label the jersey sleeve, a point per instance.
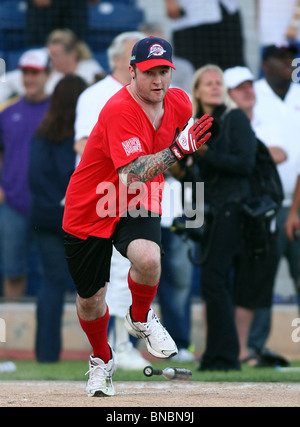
(126, 137)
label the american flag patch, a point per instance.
(131, 146)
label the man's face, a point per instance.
(152, 85)
(60, 59)
(34, 83)
(243, 95)
(279, 66)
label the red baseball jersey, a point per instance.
(96, 198)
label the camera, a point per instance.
(195, 234)
(260, 207)
(179, 227)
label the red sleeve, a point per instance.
(128, 140)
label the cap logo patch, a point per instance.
(156, 50)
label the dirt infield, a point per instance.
(152, 395)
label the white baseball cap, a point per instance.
(34, 59)
(237, 75)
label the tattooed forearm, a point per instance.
(145, 168)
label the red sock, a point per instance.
(96, 331)
(142, 297)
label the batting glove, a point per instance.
(189, 140)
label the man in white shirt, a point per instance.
(89, 105)
(277, 111)
(276, 121)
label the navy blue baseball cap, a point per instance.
(279, 49)
(151, 52)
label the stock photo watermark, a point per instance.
(2, 330)
(296, 71)
(2, 71)
(137, 200)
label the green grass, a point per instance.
(75, 370)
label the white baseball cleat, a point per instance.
(129, 358)
(100, 376)
(184, 355)
(158, 341)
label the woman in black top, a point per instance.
(224, 165)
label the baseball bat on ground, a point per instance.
(182, 374)
(291, 369)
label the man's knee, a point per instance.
(145, 257)
(150, 262)
(93, 303)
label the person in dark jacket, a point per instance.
(224, 165)
(52, 161)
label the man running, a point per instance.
(114, 198)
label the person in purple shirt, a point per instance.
(18, 123)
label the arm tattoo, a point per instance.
(147, 167)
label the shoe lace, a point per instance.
(98, 373)
(156, 328)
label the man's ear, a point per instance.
(132, 71)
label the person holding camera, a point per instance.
(224, 164)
